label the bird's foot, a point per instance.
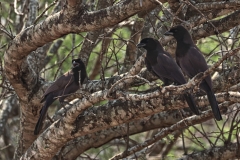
(49, 118)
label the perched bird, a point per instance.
(64, 85)
(164, 67)
(192, 62)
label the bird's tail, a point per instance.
(214, 104)
(39, 124)
(191, 103)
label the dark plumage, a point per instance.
(164, 67)
(64, 85)
(192, 62)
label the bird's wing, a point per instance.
(194, 63)
(150, 69)
(60, 83)
(166, 67)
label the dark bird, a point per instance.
(61, 88)
(164, 67)
(192, 62)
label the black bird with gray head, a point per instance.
(164, 67)
(192, 62)
(61, 88)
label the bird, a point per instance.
(66, 84)
(161, 64)
(192, 62)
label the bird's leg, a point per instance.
(49, 118)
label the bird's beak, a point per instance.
(168, 33)
(140, 45)
(75, 64)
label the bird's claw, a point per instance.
(49, 118)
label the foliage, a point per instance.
(112, 54)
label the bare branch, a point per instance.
(228, 151)
(178, 126)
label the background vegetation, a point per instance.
(168, 130)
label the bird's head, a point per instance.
(148, 44)
(79, 67)
(77, 63)
(177, 32)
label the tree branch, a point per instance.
(83, 143)
(228, 151)
(66, 21)
(178, 126)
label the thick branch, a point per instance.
(91, 37)
(62, 23)
(223, 25)
(178, 126)
(216, 5)
(92, 140)
(228, 151)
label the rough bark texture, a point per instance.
(126, 99)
